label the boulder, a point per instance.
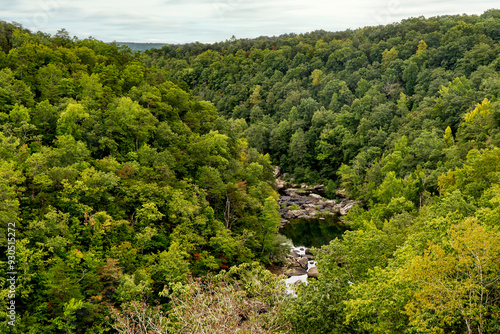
(299, 213)
(293, 214)
(318, 187)
(276, 171)
(280, 184)
(291, 191)
(328, 203)
(346, 206)
(315, 196)
(311, 213)
(313, 272)
(295, 272)
(303, 261)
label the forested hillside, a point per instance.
(119, 182)
(320, 100)
(404, 117)
(131, 176)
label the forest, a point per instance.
(137, 189)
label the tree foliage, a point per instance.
(132, 176)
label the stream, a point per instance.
(309, 220)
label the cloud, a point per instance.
(177, 21)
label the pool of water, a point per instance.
(313, 232)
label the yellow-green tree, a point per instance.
(457, 282)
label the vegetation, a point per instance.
(119, 181)
(141, 184)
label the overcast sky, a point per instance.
(183, 21)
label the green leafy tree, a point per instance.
(72, 121)
(270, 220)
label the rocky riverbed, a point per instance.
(301, 266)
(299, 202)
(303, 201)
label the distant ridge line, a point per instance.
(136, 46)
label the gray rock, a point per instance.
(318, 187)
(328, 203)
(311, 205)
(294, 214)
(298, 213)
(276, 172)
(346, 206)
(291, 191)
(280, 184)
(315, 196)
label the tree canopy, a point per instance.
(141, 185)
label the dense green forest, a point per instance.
(119, 182)
(140, 186)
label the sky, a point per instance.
(207, 21)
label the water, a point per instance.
(313, 232)
(310, 233)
